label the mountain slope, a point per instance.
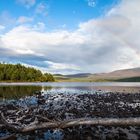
(118, 75)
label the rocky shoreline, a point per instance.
(63, 107)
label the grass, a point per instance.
(95, 79)
(80, 79)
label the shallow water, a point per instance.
(75, 84)
(18, 90)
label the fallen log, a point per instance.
(77, 122)
(69, 123)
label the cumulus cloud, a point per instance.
(98, 45)
(27, 3)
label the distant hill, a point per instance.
(130, 75)
(79, 75)
(123, 73)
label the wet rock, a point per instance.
(67, 106)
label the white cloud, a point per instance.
(98, 45)
(25, 51)
(23, 19)
(62, 67)
(27, 3)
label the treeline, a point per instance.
(18, 72)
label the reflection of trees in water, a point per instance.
(15, 92)
(46, 88)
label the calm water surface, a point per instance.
(18, 90)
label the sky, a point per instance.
(71, 36)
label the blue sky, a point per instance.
(57, 13)
(70, 36)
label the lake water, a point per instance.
(10, 91)
(18, 90)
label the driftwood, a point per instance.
(71, 123)
(77, 122)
